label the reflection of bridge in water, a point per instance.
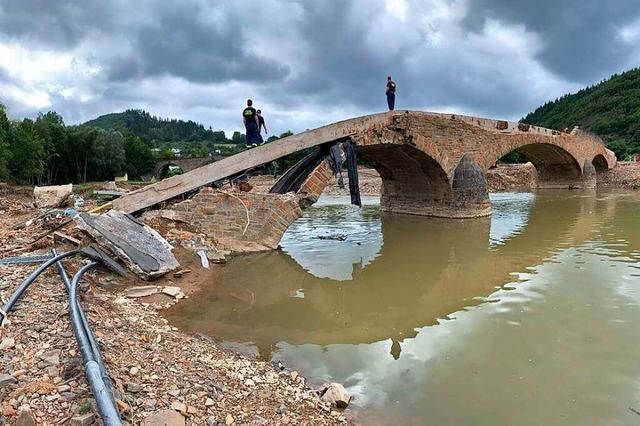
(425, 270)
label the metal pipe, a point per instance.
(97, 354)
(103, 395)
(27, 282)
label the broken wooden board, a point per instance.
(142, 249)
(108, 194)
(176, 185)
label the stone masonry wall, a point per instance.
(243, 222)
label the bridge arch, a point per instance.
(556, 167)
(413, 182)
(600, 163)
(164, 168)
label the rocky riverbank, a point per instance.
(161, 375)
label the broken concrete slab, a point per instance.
(135, 292)
(51, 196)
(172, 291)
(141, 248)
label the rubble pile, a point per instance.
(161, 376)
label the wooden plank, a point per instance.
(176, 185)
(57, 236)
(109, 193)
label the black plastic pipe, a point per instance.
(104, 398)
(27, 282)
(97, 354)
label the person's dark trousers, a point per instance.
(260, 139)
(252, 133)
(391, 100)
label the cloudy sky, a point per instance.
(306, 62)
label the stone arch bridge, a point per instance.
(431, 164)
(186, 164)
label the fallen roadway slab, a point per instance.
(168, 188)
(142, 249)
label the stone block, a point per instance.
(51, 196)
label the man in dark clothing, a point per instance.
(250, 119)
(391, 93)
(261, 124)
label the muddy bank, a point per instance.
(158, 371)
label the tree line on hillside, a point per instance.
(45, 151)
(609, 109)
(166, 132)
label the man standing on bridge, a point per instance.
(251, 122)
(261, 124)
(391, 93)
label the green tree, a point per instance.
(27, 152)
(81, 143)
(108, 154)
(238, 138)
(5, 153)
(138, 156)
(50, 127)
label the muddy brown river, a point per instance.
(529, 317)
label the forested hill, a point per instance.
(160, 130)
(610, 109)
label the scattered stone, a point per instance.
(335, 394)
(51, 358)
(179, 406)
(164, 418)
(134, 387)
(7, 343)
(181, 272)
(149, 404)
(216, 257)
(6, 379)
(172, 291)
(143, 291)
(133, 371)
(26, 418)
(174, 392)
(294, 375)
(229, 420)
(212, 422)
(83, 420)
(209, 402)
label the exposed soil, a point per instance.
(157, 370)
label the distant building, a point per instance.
(121, 177)
(176, 152)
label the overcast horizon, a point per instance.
(306, 64)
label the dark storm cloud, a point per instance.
(308, 61)
(341, 69)
(57, 23)
(178, 43)
(579, 36)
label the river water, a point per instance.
(529, 317)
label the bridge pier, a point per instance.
(413, 183)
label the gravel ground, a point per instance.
(158, 371)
